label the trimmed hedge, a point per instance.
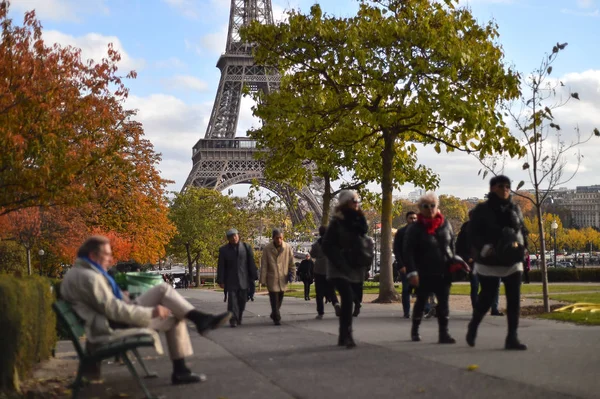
(567, 275)
(28, 333)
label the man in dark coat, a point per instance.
(463, 249)
(306, 270)
(236, 271)
(411, 217)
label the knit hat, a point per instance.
(347, 196)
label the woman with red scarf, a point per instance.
(428, 253)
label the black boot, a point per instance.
(473, 325)
(444, 336)
(414, 331)
(350, 340)
(343, 336)
(513, 343)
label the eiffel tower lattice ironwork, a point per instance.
(220, 160)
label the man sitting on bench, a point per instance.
(97, 299)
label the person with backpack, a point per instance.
(306, 271)
(235, 271)
(350, 252)
(428, 253)
(324, 289)
(463, 249)
(499, 241)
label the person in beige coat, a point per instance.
(108, 312)
(276, 264)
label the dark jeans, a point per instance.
(324, 289)
(357, 291)
(236, 303)
(347, 297)
(475, 293)
(440, 287)
(307, 284)
(275, 298)
(405, 295)
(526, 276)
(512, 286)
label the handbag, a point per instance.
(361, 252)
(508, 249)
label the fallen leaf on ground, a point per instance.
(472, 367)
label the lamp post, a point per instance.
(41, 253)
(554, 227)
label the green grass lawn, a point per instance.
(465, 289)
(297, 289)
(586, 318)
(574, 298)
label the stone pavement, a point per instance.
(300, 359)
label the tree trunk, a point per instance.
(28, 261)
(387, 292)
(197, 279)
(326, 200)
(189, 259)
(544, 267)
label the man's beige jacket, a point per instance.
(93, 300)
(275, 265)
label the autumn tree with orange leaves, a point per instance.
(69, 144)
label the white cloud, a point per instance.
(94, 46)
(186, 7)
(173, 127)
(215, 42)
(170, 63)
(595, 13)
(586, 3)
(61, 10)
(185, 82)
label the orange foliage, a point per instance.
(74, 147)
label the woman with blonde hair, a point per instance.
(428, 253)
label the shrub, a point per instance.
(28, 333)
(559, 275)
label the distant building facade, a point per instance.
(584, 204)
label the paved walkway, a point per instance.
(299, 359)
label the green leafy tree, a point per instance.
(398, 74)
(454, 210)
(202, 216)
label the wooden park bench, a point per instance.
(116, 348)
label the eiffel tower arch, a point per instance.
(220, 160)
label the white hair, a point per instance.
(428, 198)
(346, 196)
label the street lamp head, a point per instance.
(554, 225)
(41, 252)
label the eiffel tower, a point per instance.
(222, 160)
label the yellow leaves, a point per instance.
(580, 307)
(472, 367)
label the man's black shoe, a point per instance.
(277, 322)
(187, 378)
(497, 313)
(210, 322)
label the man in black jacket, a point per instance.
(498, 239)
(236, 271)
(411, 217)
(463, 249)
(305, 271)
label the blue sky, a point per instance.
(174, 46)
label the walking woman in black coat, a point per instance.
(347, 224)
(428, 252)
